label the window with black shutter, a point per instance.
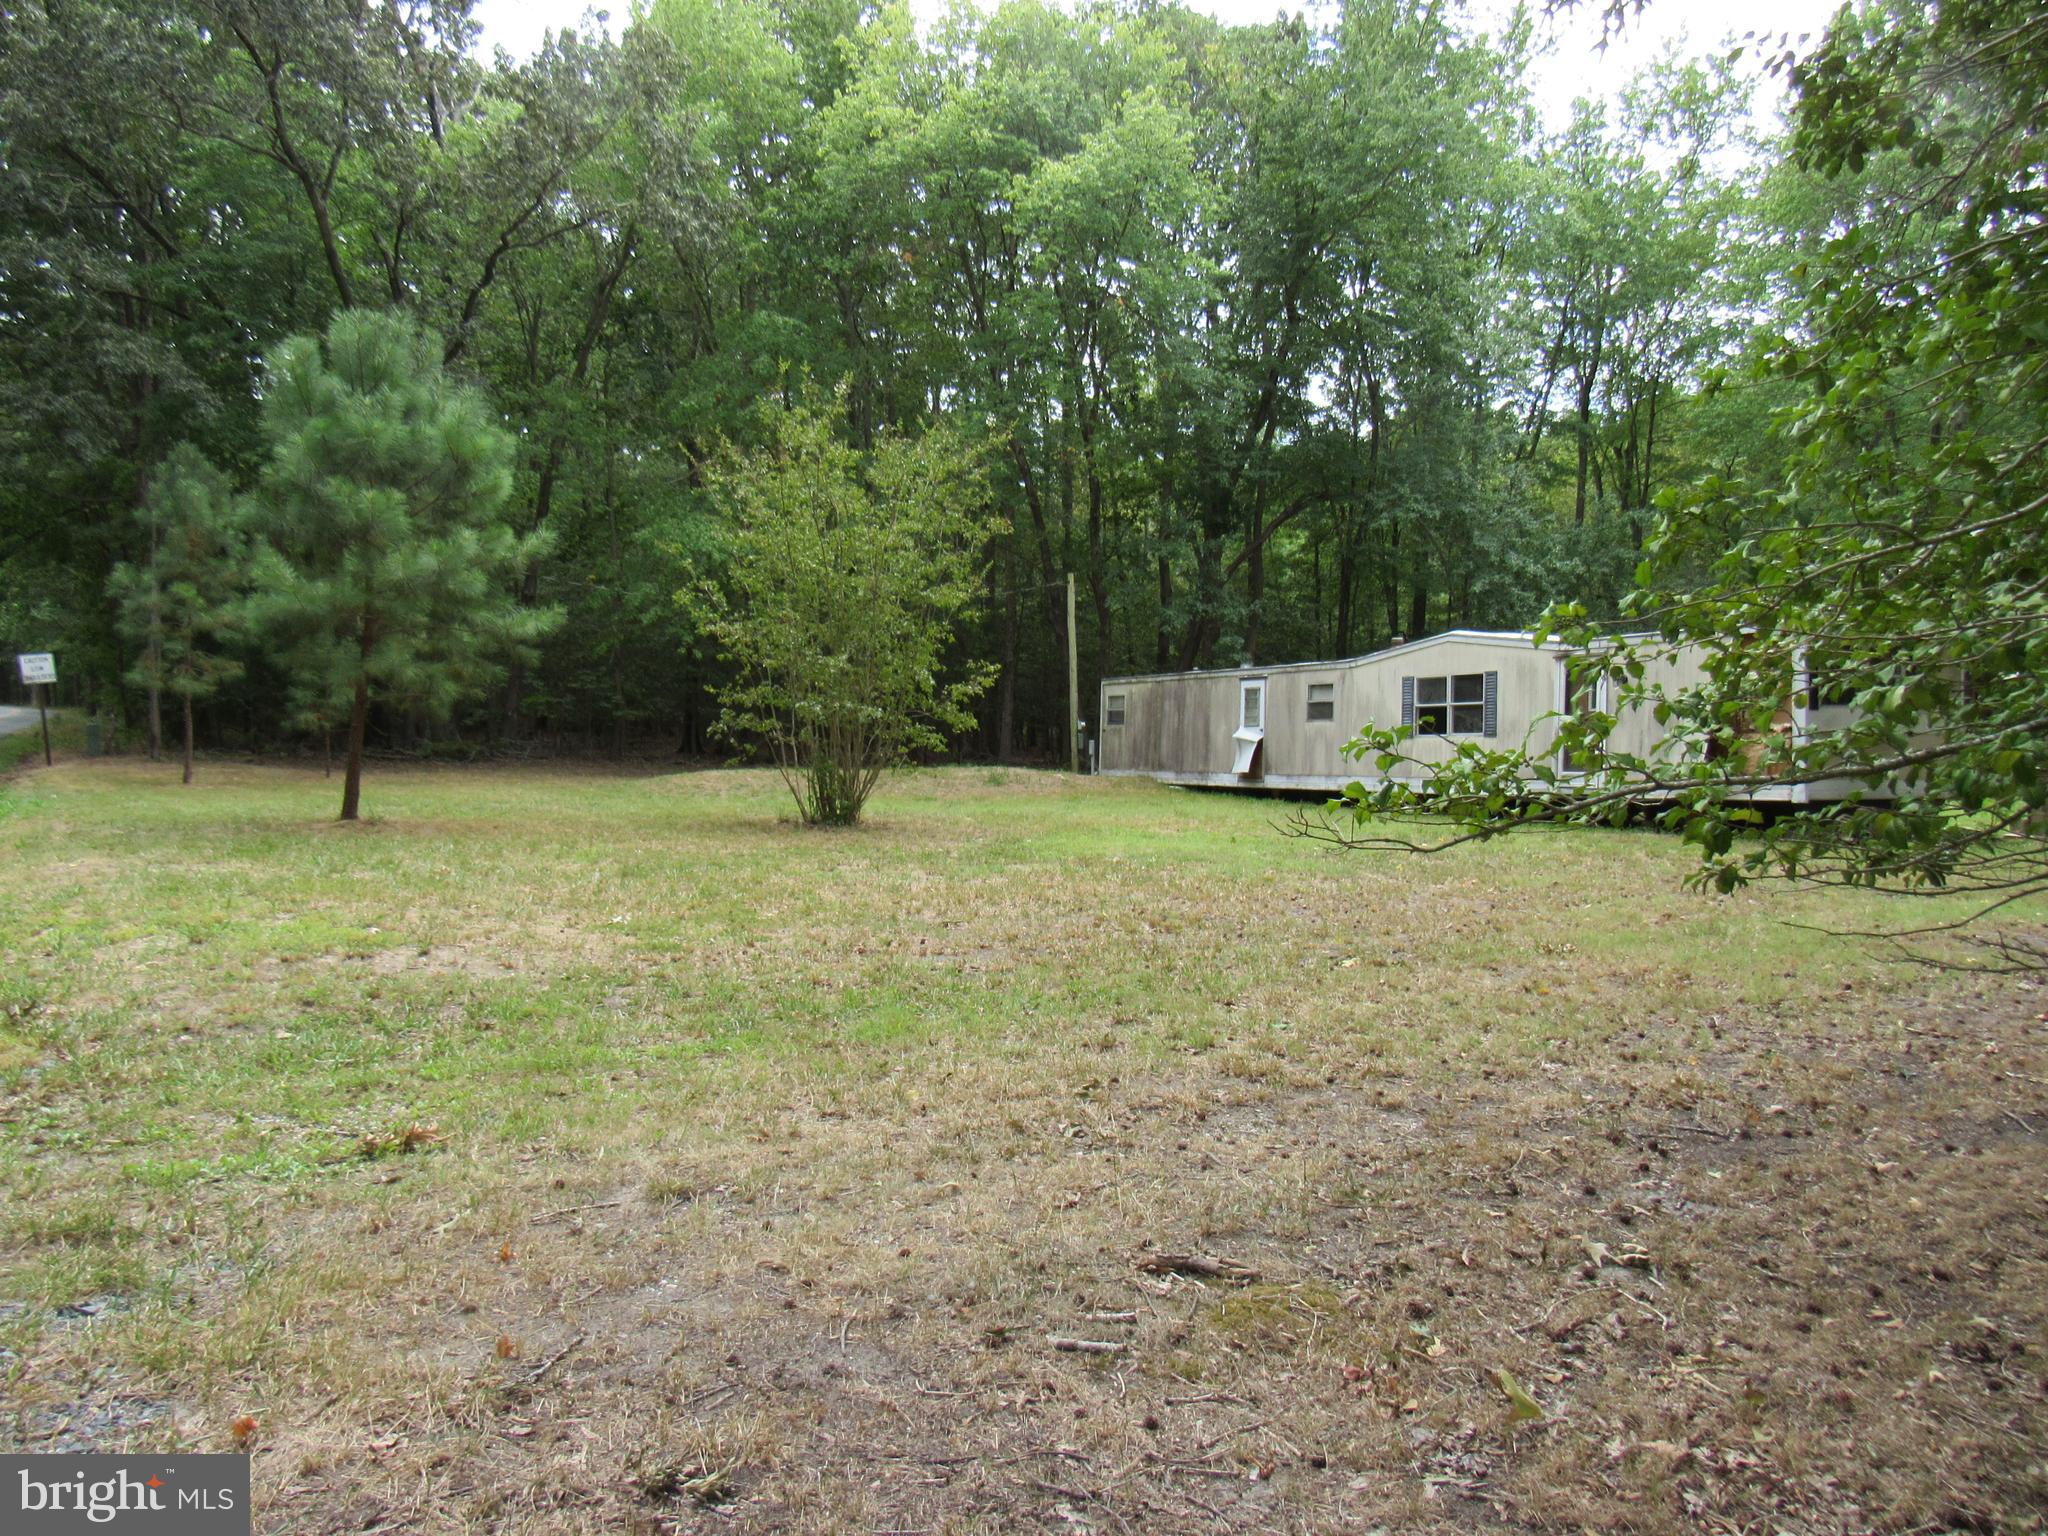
(1459, 705)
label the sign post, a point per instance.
(39, 670)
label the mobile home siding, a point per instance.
(1179, 726)
(1171, 725)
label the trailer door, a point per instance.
(1251, 727)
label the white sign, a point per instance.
(37, 667)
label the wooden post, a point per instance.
(43, 708)
(1073, 687)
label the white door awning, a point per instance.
(1247, 741)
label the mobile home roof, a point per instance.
(1521, 637)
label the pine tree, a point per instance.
(182, 602)
(389, 564)
(320, 695)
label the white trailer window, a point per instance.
(1829, 683)
(1322, 701)
(1113, 709)
(1254, 716)
(1451, 706)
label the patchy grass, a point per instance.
(585, 1152)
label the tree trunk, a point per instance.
(529, 590)
(1164, 655)
(1347, 582)
(551, 466)
(140, 316)
(1006, 684)
(188, 738)
(515, 692)
(1585, 421)
(1315, 604)
(1589, 374)
(1098, 578)
(1644, 491)
(619, 620)
(1391, 592)
(1206, 620)
(1255, 577)
(358, 723)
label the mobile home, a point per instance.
(1285, 727)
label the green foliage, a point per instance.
(846, 577)
(1893, 575)
(387, 566)
(181, 605)
(1522, 1408)
(1293, 335)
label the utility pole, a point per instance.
(43, 708)
(1073, 687)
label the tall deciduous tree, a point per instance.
(848, 574)
(389, 557)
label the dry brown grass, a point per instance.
(765, 1164)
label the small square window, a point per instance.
(1322, 701)
(1113, 709)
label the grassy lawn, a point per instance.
(589, 1152)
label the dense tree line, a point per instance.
(1892, 555)
(1286, 339)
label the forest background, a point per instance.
(1287, 339)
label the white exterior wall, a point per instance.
(1178, 727)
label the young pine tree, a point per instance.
(321, 695)
(182, 602)
(389, 556)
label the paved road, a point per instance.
(14, 718)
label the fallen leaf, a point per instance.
(243, 1429)
(1521, 1405)
(1673, 1451)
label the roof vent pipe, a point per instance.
(1397, 642)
